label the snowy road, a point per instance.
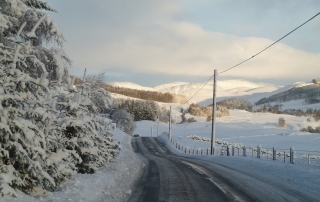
(171, 178)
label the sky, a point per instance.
(150, 42)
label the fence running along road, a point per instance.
(170, 177)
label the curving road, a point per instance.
(168, 177)
(171, 178)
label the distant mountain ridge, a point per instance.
(227, 88)
(256, 93)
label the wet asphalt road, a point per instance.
(169, 178)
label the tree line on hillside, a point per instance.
(310, 93)
(236, 103)
(143, 110)
(295, 112)
(146, 95)
(206, 111)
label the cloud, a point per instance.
(143, 37)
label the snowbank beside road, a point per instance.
(113, 182)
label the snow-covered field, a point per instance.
(248, 129)
(113, 182)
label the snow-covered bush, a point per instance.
(310, 129)
(316, 116)
(46, 130)
(316, 81)
(101, 98)
(282, 122)
(124, 120)
(192, 119)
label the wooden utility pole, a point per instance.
(157, 125)
(170, 125)
(213, 138)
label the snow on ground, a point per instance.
(113, 182)
(302, 176)
(248, 129)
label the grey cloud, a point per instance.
(145, 37)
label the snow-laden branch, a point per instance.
(20, 30)
(32, 33)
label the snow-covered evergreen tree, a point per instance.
(124, 120)
(101, 98)
(81, 131)
(46, 130)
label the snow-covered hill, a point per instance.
(227, 89)
(168, 85)
(131, 86)
(292, 96)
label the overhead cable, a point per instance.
(270, 45)
(253, 55)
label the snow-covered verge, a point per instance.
(304, 177)
(113, 182)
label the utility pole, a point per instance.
(157, 125)
(170, 125)
(151, 131)
(213, 138)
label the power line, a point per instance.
(252, 56)
(270, 44)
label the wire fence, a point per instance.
(289, 155)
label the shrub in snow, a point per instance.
(316, 81)
(316, 116)
(205, 111)
(192, 119)
(282, 122)
(209, 119)
(183, 118)
(310, 129)
(196, 137)
(46, 130)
